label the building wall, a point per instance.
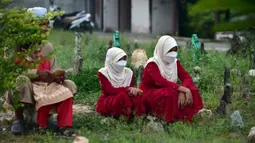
(71, 5)
(99, 14)
(163, 18)
(90, 7)
(140, 16)
(111, 15)
(30, 3)
(125, 15)
(66, 5)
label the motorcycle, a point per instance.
(77, 21)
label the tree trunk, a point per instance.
(245, 88)
(202, 48)
(226, 76)
(227, 15)
(217, 17)
(77, 59)
(222, 108)
(228, 91)
(129, 52)
(235, 44)
(252, 58)
(110, 44)
(136, 45)
(140, 74)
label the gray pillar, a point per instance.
(140, 16)
(111, 15)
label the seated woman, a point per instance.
(118, 97)
(162, 96)
(33, 93)
(48, 90)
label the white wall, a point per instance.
(71, 5)
(111, 15)
(125, 15)
(140, 22)
(66, 5)
(30, 3)
(162, 16)
(99, 13)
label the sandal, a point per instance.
(52, 125)
(42, 131)
(67, 132)
(18, 127)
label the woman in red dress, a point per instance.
(118, 97)
(162, 96)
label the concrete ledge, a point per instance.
(217, 45)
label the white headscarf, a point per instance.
(167, 70)
(117, 77)
(38, 11)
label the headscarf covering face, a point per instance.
(115, 70)
(165, 60)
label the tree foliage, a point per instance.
(17, 27)
(237, 8)
(200, 24)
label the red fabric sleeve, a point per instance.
(17, 62)
(107, 87)
(44, 65)
(184, 76)
(132, 84)
(158, 78)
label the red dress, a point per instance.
(160, 96)
(44, 65)
(116, 102)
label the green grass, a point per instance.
(107, 130)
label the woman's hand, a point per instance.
(132, 91)
(189, 98)
(45, 76)
(59, 79)
(181, 100)
(188, 95)
(59, 76)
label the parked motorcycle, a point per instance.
(77, 21)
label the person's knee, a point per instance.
(71, 86)
(123, 95)
(24, 90)
(123, 99)
(169, 92)
(22, 80)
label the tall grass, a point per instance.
(108, 130)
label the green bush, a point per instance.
(17, 27)
(87, 81)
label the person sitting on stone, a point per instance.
(162, 96)
(44, 92)
(119, 97)
(48, 90)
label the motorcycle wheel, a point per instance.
(87, 27)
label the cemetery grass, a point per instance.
(108, 130)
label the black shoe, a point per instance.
(18, 127)
(52, 125)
